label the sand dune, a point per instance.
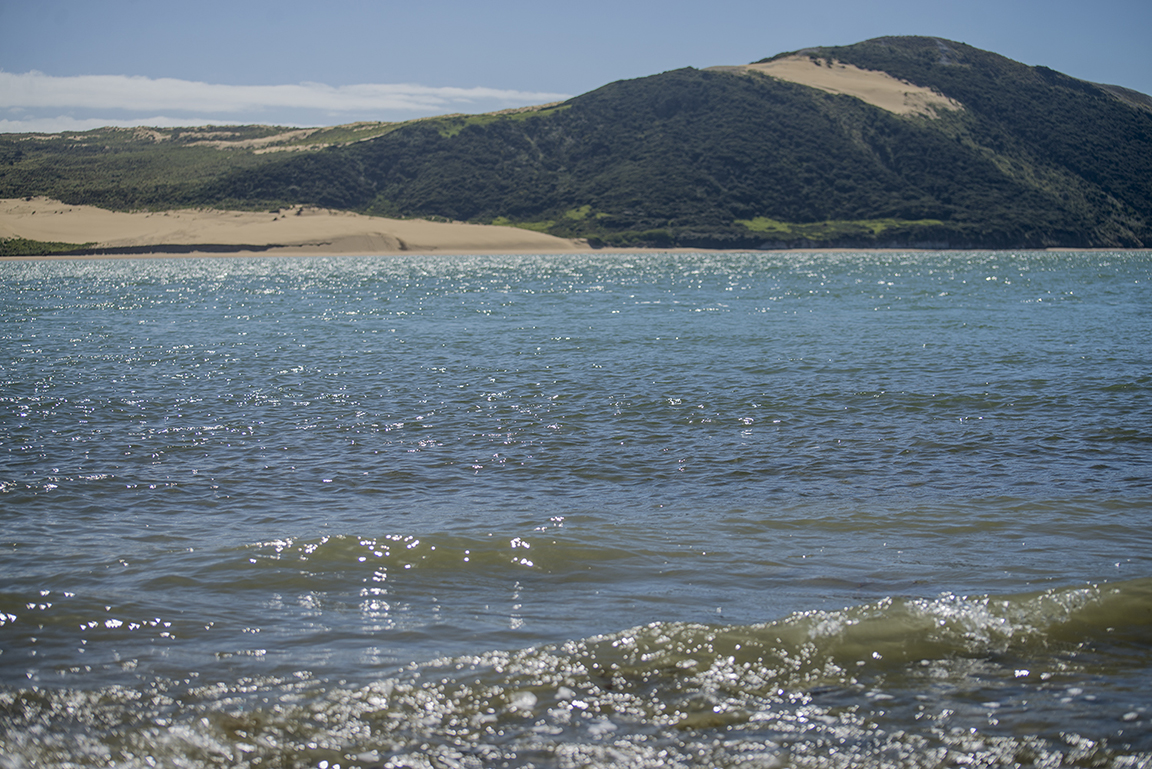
(297, 230)
(877, 88)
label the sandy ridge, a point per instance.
(876, 88)
(298, 230)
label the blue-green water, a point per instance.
(746, 510)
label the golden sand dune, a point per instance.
(877, 88)
(297, 230)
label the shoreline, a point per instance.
(288, 252)
(306, 231)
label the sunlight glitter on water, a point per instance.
(674, 509)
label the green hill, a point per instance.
(702, 158)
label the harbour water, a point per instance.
(738, 510)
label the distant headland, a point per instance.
(896, 142)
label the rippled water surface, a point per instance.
(749, 510)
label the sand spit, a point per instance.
(877, 88)
(298, 230)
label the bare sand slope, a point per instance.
(296, 230)
(877, 88)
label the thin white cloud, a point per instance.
(37, 91)
(61, 123)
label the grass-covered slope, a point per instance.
(685, 156)
(688, 157)
(1085, 144)
(154, 168)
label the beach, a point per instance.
(299, 230)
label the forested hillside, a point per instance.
(702, 158)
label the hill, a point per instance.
(907, 141)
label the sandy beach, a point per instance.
(297, 230)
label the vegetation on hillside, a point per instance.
(1088, 144)
(683, 158)
(25, 247)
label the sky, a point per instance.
(81, 64)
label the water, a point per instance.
(741, 510)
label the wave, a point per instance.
(830, 647)
(894, 631)
(980, 680)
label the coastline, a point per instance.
(296, 231)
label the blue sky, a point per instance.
(66, 64)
